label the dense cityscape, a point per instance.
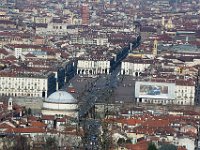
(99, 74)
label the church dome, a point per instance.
(61, 97)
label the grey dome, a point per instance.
(61, 97)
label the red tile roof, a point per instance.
(5, 126)
(25, 130)
(48, 117)
(142, 145)
(38, 124)
(31, 118)
(130, 121)
(3, 51)
(30, 55)
(156, 123)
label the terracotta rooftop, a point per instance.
(156, 123)
(38, 124)
(142, 145)
(25, 130)
(48, 117)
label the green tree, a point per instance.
(152, 146)
(105, 136)
(168, 147)
(21, 143)
(121, 141)
(51, 143)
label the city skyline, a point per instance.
(99, 74)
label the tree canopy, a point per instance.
(51, 143)
(21, 143)
(152, 146)
(168, 147)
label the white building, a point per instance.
(41, 19)
(60, 104)
(185, 92)
(179, 92)
(27, 85)
(20, 50)
(53, 28)
(134, 66)
(188, 142)
(89, 39)
(93, 66)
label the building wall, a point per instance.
(93, 67)
(189, 143)
(134, 136)
(10, 39)
(50, 123)
(197, 92)
(41, 19)
(27, 86)
(60, 106)
(92, 41)
(51, 87)
(53, 29)
(182, 95)
(185, 95)
(33, 135)
(60, 78)
(8, 26)
(85, 14)
(189, 129)
(70, 69)
(20, 52)
(59, 113)
(133, 69)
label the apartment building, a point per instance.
(27, 85)
(94, 66)
(166, 91)
(135, 66)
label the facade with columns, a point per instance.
(135, 66)
(93, 66)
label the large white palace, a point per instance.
(31, 85)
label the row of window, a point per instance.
(168, 102)
(90, 64)
(186, 90)
(57, 27)
(59, 115)
(21, 94)
(23, 83)
(51, 33)
(27, 80)
(19, 90)
(93, 71)
(182, 95)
